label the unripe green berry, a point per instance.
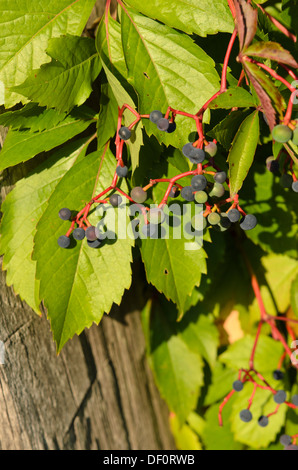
(213, 218)
(282, 133)
(201, 197)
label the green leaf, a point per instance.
(233, 97)
(22, 209)
(67, 80)
(221, 385)
(243, 151)
(294, 296)
(217, 437)
(172, 269)
(191, 17)
(79, 284)
(279, 272)
(225, 131)
(32, 117)
(201, 335)
(177, 370)
(20, 146)
(166, 68)
(267, 354)
(196, 422)
(25, 32)
(185, 437)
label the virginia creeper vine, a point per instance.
(231, 203)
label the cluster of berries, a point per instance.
(93, 235)
(202, 191)
(279, 397)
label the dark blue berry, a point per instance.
(280, 397)
(198, 183)
(246, 416)
(78, 233)
(187, 193)
(163, 124)
(220, 177)
(115, 200)
(63, 241)
(285, 440)
(278, 374)
(294, 400)
(187, 149)
(238, 386)
(272, 165)
(94, 244)
(155, 116)
(249, 222)
(122, 171)
(234, 215)
(124, 133)
(194, 154)
(263, 421)
(65, 214)
(91, 233)
(171, 128)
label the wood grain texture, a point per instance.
(97, 394)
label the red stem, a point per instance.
(225, 401)
(252, 395)
(271, 72)
(223, 86)
(289, 112)
(252, 356)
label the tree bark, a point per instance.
(99, 393)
